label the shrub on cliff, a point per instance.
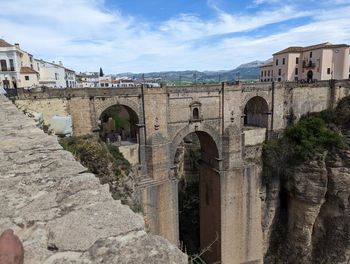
(308, 136)
(106, 162)
(299, 142)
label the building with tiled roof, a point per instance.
(16, 67)
(55, 75)
(4, 44)
(322, 61)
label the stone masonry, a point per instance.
(61, 212)
(224, 117)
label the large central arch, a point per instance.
(209, 192)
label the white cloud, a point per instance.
(86, 36)
(259, 2)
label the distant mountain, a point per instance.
(247, 71)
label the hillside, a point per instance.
(247, 71)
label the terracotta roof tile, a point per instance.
(28, 70)
(3, 43)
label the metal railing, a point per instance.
(309, 64)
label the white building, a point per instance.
(123, 82)
(105, 81)
(87, 80)
(70, 78)
(16, 67)
(55, 75)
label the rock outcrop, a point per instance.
(59, 210)
(312, 223)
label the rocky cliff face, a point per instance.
(312, 220)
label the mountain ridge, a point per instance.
(246, 71)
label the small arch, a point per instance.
(118, 123)
(256, 112)
(102, 104)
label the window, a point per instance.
(262, 73)
(26, 78)
(56, 75)
(279, 79)
(3, 65)
(328, 70)
(265, 73)
(195, 113)
(310, 54)
(276, 62)
(296, 71)
(279, 72)
(283, 61)
(268, 73)
(12, 65)
(296, 79)
(296, 60)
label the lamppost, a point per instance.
(237, 76)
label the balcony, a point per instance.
(7, 69)
(309, 65)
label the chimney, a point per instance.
(17, 45)
(60, 62)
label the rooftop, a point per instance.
(3, 43)
(297, 49)
(28, 70)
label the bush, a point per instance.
(310, 135)
(299, 142)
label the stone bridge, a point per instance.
(231, 122)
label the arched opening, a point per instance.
(256, 112)
(196, 162)
(195, 113)
(310, 76)
(119, 124)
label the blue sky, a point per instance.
(158, 35)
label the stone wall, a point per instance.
(48, 107)
(61, 212)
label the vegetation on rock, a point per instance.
(106, 162)
(312, 134)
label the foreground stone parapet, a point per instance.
(61, 212)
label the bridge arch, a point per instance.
(200, 226)
(118, 122)
(191, 128)
(256, 111)
(102, 104)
